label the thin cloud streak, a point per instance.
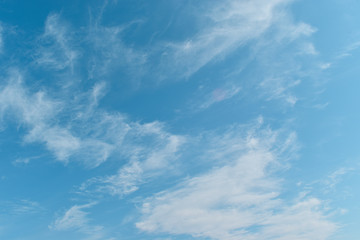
(76, 219)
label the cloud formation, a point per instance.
(228, 179)
(148, 159)
(240, 199)
(76, 219)
(56, 50)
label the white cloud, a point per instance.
(37, 112)
(56, 49)
(218, 95)
(148, 159)
(58, 140)
(321, 106)
(240, 199)
(233, 24)
(110, 53)
(226, 27)
(92, 135)
(348, 50)
(325, 66)
(30, 108)
(336, 177)
(24, 160)
(267, 33)
(309, 48)
(125, 181)
(279, 88)
(21, 207)
(287, 30)
(76, 219)
(21, 161)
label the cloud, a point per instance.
(325, 66)
(24, 160)
(111, 53)
(261, 35)
(336, 177)
(31, 108)
(21, 207)
(91, 135)
(219, 95)
(148, 159)
(233, 25)
(56, 49)
(241, 198)
(124, 182)
(348, 50)
(309, 48)
(278, 88)
(226, 27)
(37, 112)
(21, 161)
(76, 219)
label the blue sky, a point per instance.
(183, 120)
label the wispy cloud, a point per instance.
(218, 95)
(348, 50)
(231, 25)
(149, 159)
(241, 199)
(36, 111)
(56, 47)
(325, 66)
(91, 135)
(278, 88)
(262, 30)
(21, 161)
(21, 207)
(76, 219)
(233, 189)
(31, 108)
(280, 56)
(309, 48)
(24, 160)
(111, 53)
(335, 178)
(226, 27)
(124, 182)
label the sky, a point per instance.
(179, 120)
